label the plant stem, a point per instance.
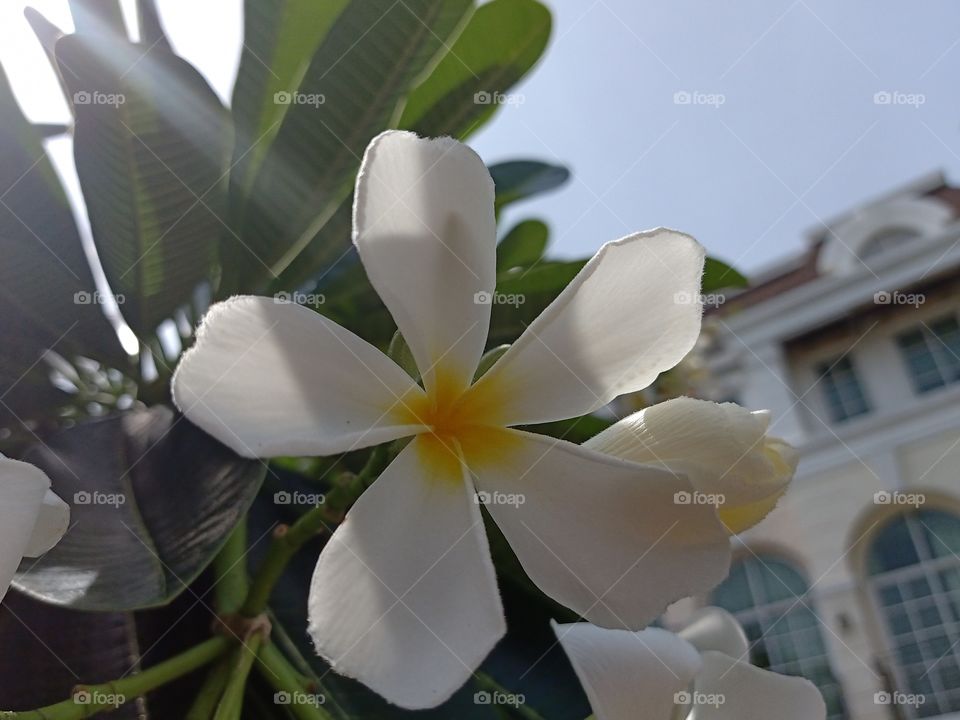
(130, 687)
(232, 701)
(277, 671)
(210, 692)
(284, 544)
(231, 583)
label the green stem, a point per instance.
(205, 703)
(291, 687)
(231, 583)
(128, 688)
(232, 701)
(283, 546)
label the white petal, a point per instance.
(713, 628)
(52, 522)
(749, 693)
(271, 378)
(22, 489)
(423, 223)
(628, 675)
(721, 447)
(404, 596)
(600, 535)
(631, 313)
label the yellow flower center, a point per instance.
(462, 424)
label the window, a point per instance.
(932, 354)
(914, 571)
(842, 391)
(767, 598)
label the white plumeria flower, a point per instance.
(404, 596)
(699, 674)
(32, 517)
(722, 448)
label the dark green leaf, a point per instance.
(151, 30)
(523, 245)
(350, 92)
(521, 179)
(279, 39)
(532, 290)
(151, 145)
(153, 500)
(717, 275)
(46, 287)
(500, 44)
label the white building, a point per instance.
(854, 580)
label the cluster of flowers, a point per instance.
(404, 596)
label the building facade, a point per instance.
(854, 580)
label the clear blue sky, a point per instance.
(798, 136)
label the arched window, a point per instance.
(914, 566)
(767, 596)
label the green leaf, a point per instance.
(533, 289)
(350, 92)
(279, 39)
(501, 43)
(520, 179)
(717, 275)
(153, 500)
(151, 29)
(151, 145)
(98, 17)
(523, 245)
(46, 286)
